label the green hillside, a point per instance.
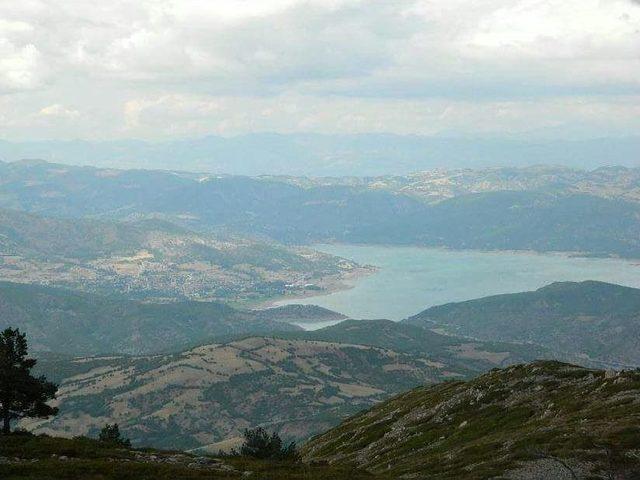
(300, 382)
(211, 393)
(76, 323)
(595, 320)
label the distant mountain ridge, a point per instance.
(307, 154)
(599, 217)
(597, 320)
(436, 185)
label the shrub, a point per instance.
(259, 443)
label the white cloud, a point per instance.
(20, 67)
(57, 110)
(178, 115)
(186, 67)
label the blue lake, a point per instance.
(410, 279)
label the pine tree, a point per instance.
(111, 434)
(21, 394)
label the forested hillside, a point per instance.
(595, 320)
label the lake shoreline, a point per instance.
(330, 285)
(558, 253)
(408, 279)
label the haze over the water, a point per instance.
(492, 82)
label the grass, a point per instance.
(484, 427)
(42, 458)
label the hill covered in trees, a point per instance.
(596, 321)
(75, 323)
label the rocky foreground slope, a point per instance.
(545, 420)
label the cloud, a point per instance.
(222, 64)
(179, 115)
(57, 110)
(20, 67)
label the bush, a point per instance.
(259, 444)
(111, 434)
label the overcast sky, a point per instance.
(158, 69)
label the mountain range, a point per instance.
(117, 277)
(328, 155)
(596, 219)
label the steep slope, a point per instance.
(156, 259)
(524, 422)
(84, 324)
(596, 320)
(210, 393)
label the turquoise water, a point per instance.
(411, 279)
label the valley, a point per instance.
(262, 370)
(320, 240)
(187, 308)
(298, 383)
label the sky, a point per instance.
(162, 69)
